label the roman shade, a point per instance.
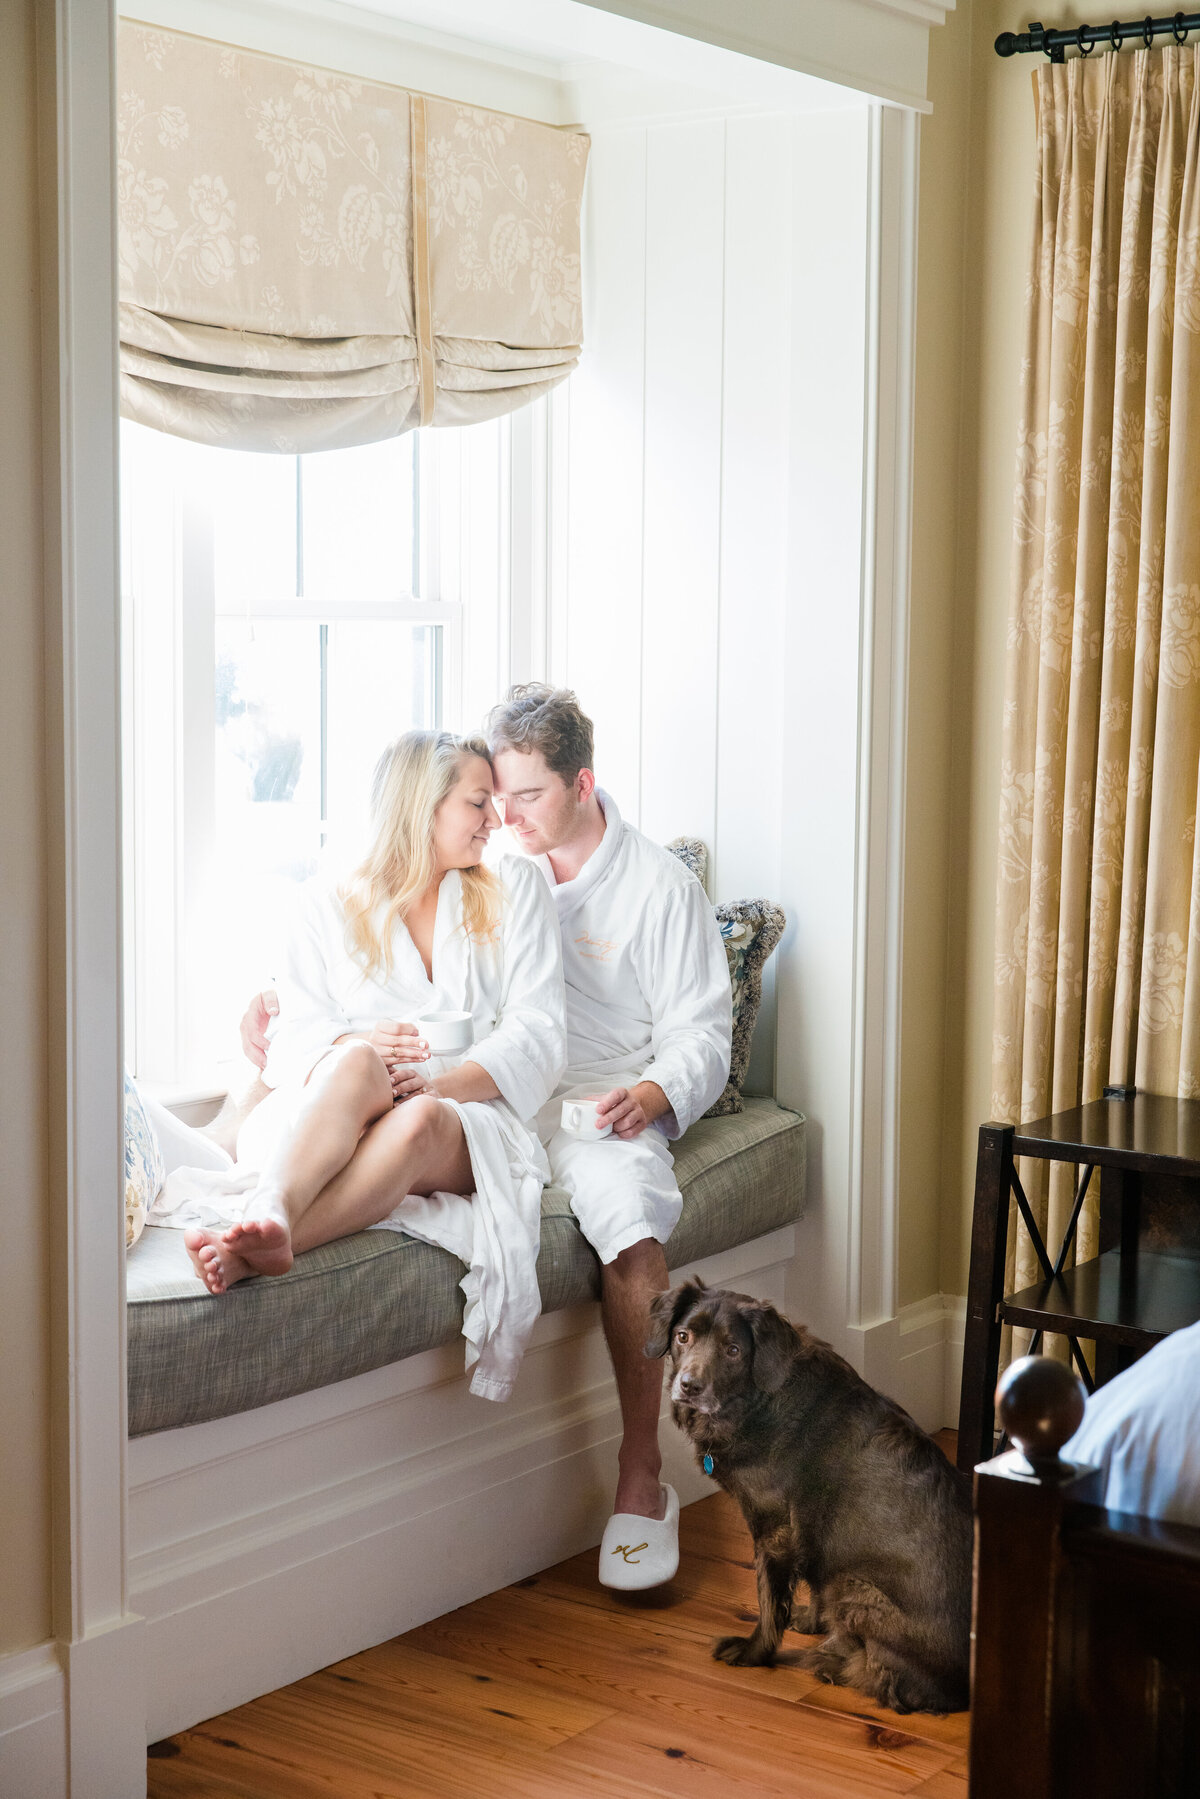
(310, 261)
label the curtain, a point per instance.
(1097, 972)
(309, 261)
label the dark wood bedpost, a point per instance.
(981, 1333)
(1020, 1571)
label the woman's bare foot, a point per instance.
(265, 1242)
(216, 1264)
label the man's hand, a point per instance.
(630, 1109)
(253, 1028)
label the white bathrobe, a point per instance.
(648, 999)
(514, 993)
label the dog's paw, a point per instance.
(827, 1666)
(742, 1652)
(806, 1621)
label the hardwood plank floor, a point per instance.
(556, 1688)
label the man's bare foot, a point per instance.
(265, 1243)
(642, 1494)
(217, 1265)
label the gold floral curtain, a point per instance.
(309, 261)
(1098, 921)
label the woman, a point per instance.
(364, 1128)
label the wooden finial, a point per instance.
(1040, 1404)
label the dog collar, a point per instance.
(708, 1464)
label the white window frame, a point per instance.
(169, 654)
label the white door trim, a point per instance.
(872, 1250)
(97, 1637)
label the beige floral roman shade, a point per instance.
(310, 261)
(1098, 917)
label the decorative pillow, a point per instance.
(144, 1170)
(750, 929)
(693, 853)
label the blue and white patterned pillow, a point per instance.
(144, 1170)
(750, 930)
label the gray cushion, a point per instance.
(378, 1296)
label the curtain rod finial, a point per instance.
(1006, 44)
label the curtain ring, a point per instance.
(1114, 33)
(1148, 32)
(1179, 30)
(1085, 43)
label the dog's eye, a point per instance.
(681, 1336)
(733, 1349)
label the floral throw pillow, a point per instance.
(750, 930)
(693, 853)
(144, 1170)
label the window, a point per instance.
(284, 618)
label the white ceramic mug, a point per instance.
(579, 1118)
(446, 1033)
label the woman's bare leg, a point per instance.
(417, 1148)
(347, 1091)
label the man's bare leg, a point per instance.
(235, 1109)
(628, 1284)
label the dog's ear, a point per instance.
(665, 1308)
(775, 1345)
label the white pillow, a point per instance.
(1143, 1430)
(144, 1171)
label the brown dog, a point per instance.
(839, 1488)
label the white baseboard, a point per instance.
(268, 1545)
(916, 1358)
(33, 1725)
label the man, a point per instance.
(649, 1027)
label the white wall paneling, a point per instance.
(602, 640)
(737, 587)
(681, 531)
(752, 728)
(821, 651)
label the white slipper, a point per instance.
(640, 1552)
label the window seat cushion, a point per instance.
(379, 1296)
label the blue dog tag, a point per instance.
(707, 1464)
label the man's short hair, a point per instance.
(549, 719)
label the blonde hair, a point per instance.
(412, 778)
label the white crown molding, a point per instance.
(799, 54)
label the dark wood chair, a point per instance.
(1144, 1283)
(1085, 1675)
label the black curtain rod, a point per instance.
(1086, 38)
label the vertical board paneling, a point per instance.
(751, 720)
(822, 649)
(685, 220)
(601, 655)
(485, 624)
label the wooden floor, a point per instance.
(556, 1688)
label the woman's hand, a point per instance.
(407, 1082)
(397, 1042)
(399, 1046)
